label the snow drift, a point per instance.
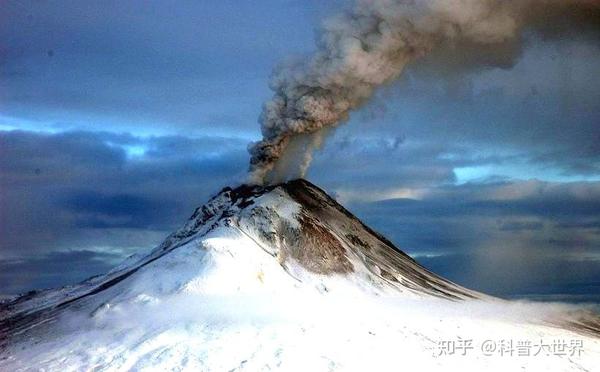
(278, 278)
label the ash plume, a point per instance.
(371, 44)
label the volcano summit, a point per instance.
(282, 277)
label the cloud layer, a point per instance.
(101, 192)
(87, 200)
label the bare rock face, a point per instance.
(317, 233)
(329, 240)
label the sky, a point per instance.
(117, 119)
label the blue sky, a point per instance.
(117, 119)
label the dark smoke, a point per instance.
(370, 45)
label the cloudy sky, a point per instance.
(118, 118)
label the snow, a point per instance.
(220, 299)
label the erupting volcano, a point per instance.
(275, 274)
(276, 277)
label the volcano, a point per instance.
(283, 277)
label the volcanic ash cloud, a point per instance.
(369, 46)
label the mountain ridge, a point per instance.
(278, 266)
(218, 209)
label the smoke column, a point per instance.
(369, 46)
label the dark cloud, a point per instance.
(507, 238)
(53, 269)
(510, 239)
(521, 225)
(94, 210)
(542, 215)
(478, 200)
(362, 162)
(541, 114)
(103, 192)
(137, 64)
(548, 278)
(116, 194)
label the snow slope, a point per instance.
(284, 278)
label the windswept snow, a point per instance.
(229, 291)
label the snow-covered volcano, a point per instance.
(284, 278)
